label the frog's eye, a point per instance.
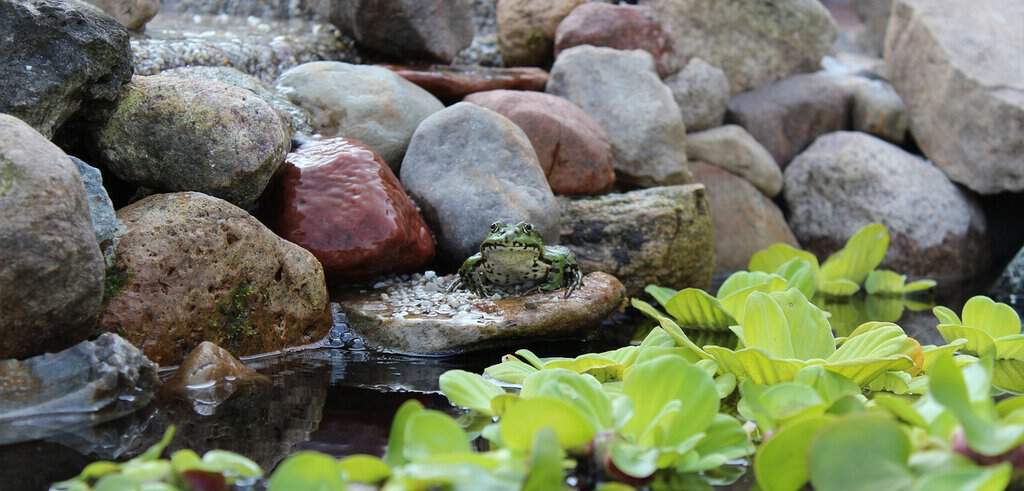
(495, 226)
(527, 227)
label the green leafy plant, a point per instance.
(989, 328)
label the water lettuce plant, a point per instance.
(989, 328)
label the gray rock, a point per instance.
(173, 134)
(133, 14)
(296, 117)
(87, 384)
(459, 321)
(702, 93)
(788, 115)
(1012, 279)
(468, 167)
(754, 42)
(51, 270)
(623, 93)
(733, 149)
(847, 180)
(105, 224)
(58, 56)
(877, 109)
(368, 103)
(958, 67)
(875, 15)
(745, 220)
(659, 236)
(408, 29)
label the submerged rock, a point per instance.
(659, 235)
(208, 376)
(58, 55)
(337, 199)
(194, 268)
(87, 384)
(51, 270)
(425, 319)
(451, 83)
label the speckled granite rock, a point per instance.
(383, 320)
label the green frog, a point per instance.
(513, 259)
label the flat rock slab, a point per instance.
(419, 317)
(451, 83)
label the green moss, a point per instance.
(9, 172)
(235, 311)
(114, 280)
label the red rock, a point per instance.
(572, 148)
(339, 200)
(620, 27)
(452, 83)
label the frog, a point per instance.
(514, 259)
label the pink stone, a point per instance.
(617, 26)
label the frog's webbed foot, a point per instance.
(454, 285)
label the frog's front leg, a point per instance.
(469, 276)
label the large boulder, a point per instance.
(745, 220)
(958, 67)
(755, 42)
(194, 268)
(51, 270)
(173, 134)
(337, 199)
(623, 93)
(526, 29)
(367, 103)
(731, 148)
(468, 167)
(407, 29)
(846, 180)
(133, 14)
(58, 55)
(702, 93)
(572, 149)
(623, 27)
(659, 236)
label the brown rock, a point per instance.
(194, 268)
(526, 29)
(451, 83)
(745, 220)
(620, 27)
(572, 148)
(339, 200)
(212, 370)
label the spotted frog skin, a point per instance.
(513, 259)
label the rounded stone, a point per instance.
(468, 167)
(731, 148)
(173, 134)
(702, 93)
(133, 14)
(407, 29)
(340, 201)
(51, 269)
(193, 268)
(572, 149)
(623, 27)
(526, 29)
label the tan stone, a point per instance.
(526, 29)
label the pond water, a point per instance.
(340, 400)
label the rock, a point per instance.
(294, 116)
(847, 180)
(408, 29)
(526, 29)
(745, 220)
(468, 167)
(875, 15)
(660, 236)
(788, 115)
(86, 384)
(452, 83)
(340, 201)
(1012, 279)
(623, 27)
(755, 43)
(733, 149)
(966, 110)
(476, 323)
(194, 268)
(877, 109)
(622, 92)
(51, 270)
(702, 93)
(210, 374)
(88, 62)
(484, 48)
(572, 149)
(174, 134)
(133, 14)
(376, 106)
(105, 225)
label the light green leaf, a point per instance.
(902, 409)
(545, 472)
(653, 384)
(582, 391)
(765, 326)
(781, 463)
(634, 460)
(661, 294)
(98, 469)
(232, 465)
(919, 286)
(395, 454)
(695, 309)
(885, 282)
(755, 365)
(875, 442)
(978, 342)
(745, 280)
(931, 353)
(736, 303)
(726, 439)
(469, 390)
(307, 471)
(669, 327)
(366, 469)
(881, 340)
(787, 401)
(995, 478)
(801, 275)
(995, 319)
(946, 316)
(1010, 347)
(771, 259)
(859, 257)
(117, 482)
(511, 370)
(838, 287)
(1008, 375)
(154, 452)
(430, 432)
(523, 420)
(810, 332)
(830, 386)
